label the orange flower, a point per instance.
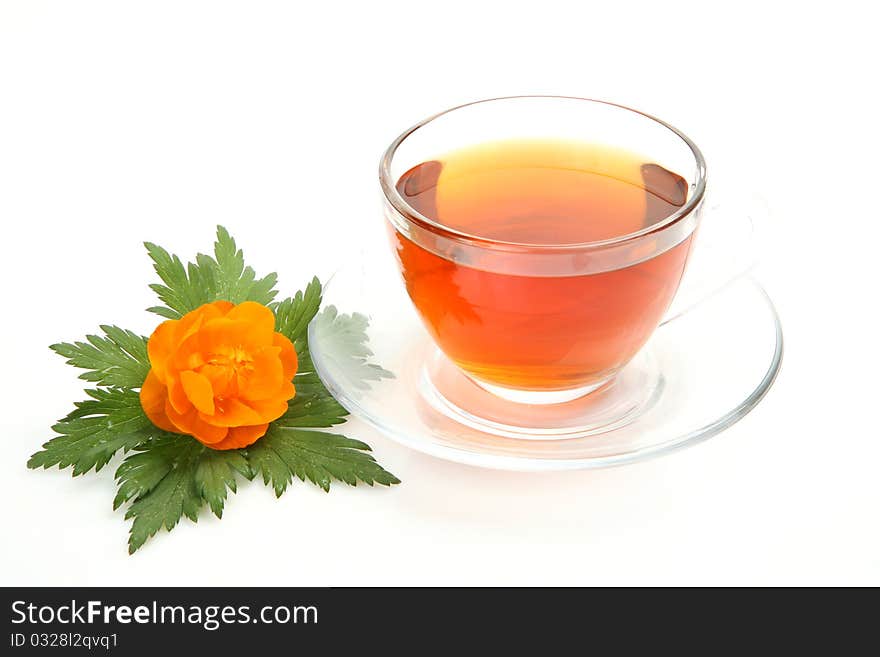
(220, 374)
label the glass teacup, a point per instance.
(542, 239)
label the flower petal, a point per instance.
(191, 423)
(234, 413)
(241, 437)
(153, 397)
(222, 306)
(265, 376)
(257, 316)
(270, 409)
(222, 374)
(187, 356)
(287, 391)
(225, 334)
(288, 357)
(220, 377)
(161, 346)
(177, 395)
(190, 323)
(199, 391)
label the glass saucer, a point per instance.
(703, 369)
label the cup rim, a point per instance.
(389, 187)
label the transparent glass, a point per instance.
(540, 320)
(714, 355)
(703, 369)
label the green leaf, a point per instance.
(142, 470)
(102, 402)
(289, 449)
(95, 431)
(215, 472)
(119, 358)
(313, 405)
(292, 316)
(185, 287)
(225, 276)
(166, 474)
(315, 456)
(235, 281)
(312, 410)
(175, 475)
(306, 380)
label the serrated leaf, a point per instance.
(237, 282)
(343, 341)
(312, 410)
(225, 276)
(162, 311)
(292, 315)
(101, 402)
(95, 431)
(263, 289)
(174, 475)
(185, 287)
(313, 405)
(306, 380)
(142, 471)
(215, 472)
(315, 456)
(168, 475)
(174, 495)
(118, 358)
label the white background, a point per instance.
(124, 121)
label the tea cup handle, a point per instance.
(724, 250)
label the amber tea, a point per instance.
(540, 332)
